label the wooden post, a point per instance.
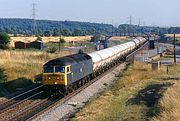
(174, 48)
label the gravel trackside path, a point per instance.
(67, 109)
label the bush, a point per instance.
(81, 51)
(2, 46)
(52, 50)
(3, 76)
(62, 41)
(4, 38)
(39, 38)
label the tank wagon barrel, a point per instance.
(107, 56)
(66, 73)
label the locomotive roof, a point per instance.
(69, 60)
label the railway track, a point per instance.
(13, 105)
(16, 99)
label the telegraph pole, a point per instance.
(60, 29)
(174, 48)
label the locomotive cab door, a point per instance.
(69, 74)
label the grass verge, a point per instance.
(134, 97)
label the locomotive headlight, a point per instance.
(49, 78)
(57, 78)
(55, 83)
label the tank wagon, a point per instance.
(67, 73)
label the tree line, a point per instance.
(52, 28)
(74, 28)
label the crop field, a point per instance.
(56, 39)
(136, 96)
(48, 39)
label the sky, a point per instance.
(164, 13)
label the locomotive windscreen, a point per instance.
(48, 69)
(59, 69)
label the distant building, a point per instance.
(169, 37)
(21, 45)
(100, 41)
(97, 38)
(36, 45)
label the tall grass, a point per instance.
(169, 105)
(27, 64)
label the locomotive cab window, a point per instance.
(48, 69)
(59, 69)
(68, 69)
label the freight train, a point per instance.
(63, 75)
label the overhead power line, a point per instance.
(34, 24)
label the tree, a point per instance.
(55, 32)
(62, 40)
(77, 32)
(40, 33)
(39, 38)
(65, 32)
(47, 33)
(4, 40)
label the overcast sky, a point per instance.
(148, 12)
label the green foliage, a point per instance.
(48, 28)
(52, 50)
(47, 33)
(55, 32)
(77, 32)
(74, 28)
(81, 51)
(62, 40)
(3, 76)
(4, 40)
(125, 28)
(39, 38)
(174, 30)
(65, 32)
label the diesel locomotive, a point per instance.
(62, 75)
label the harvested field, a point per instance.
(48, 39)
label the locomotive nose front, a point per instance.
(54, 75)
(53, 79)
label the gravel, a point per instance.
(70, 107)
